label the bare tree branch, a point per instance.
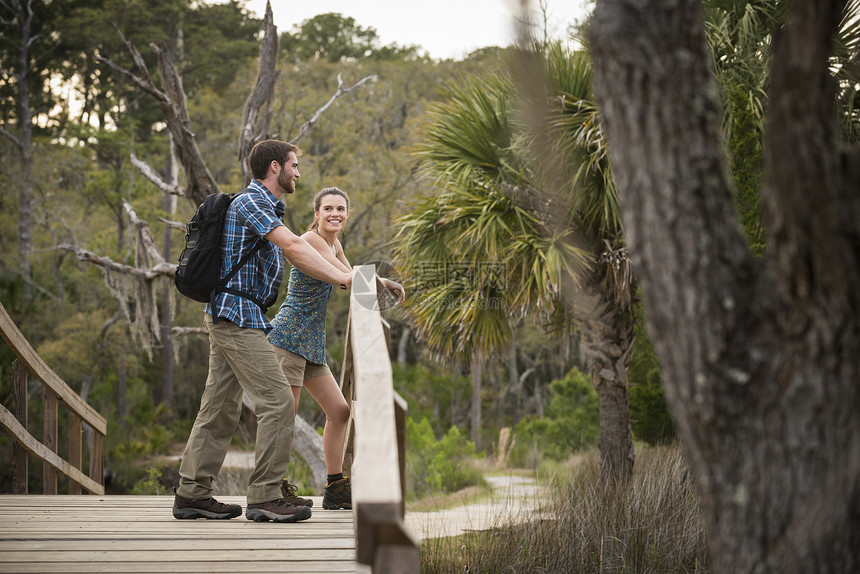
(161, 269)
(175, 111)
(30, 282)
(309, 125)
(173, 224)
(200, 180)
(152, 175)
(146, 241)
(182, 331)
(257, 114)
(144, 81)
(12, 137)
(118, 316)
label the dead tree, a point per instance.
(135, 287)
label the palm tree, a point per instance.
(740, 34)
(497, 206)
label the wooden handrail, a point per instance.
(376, 450)
(79, 412)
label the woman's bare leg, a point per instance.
(297, 393)
(325, 391)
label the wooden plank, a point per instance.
(381, 537)
(186, 567)
(375, 477)
(347, 387)
(158, 544)
(13, 427)
(88, 533)
(97, 461)
(400, 409)
(20, 461)
(185, 554)
(25, 352)
(395, 559)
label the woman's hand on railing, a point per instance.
(395, 289)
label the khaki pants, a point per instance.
(240, 359)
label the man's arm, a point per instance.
(300, 253)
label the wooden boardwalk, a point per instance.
(91, 533)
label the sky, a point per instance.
(444, 28)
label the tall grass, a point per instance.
(649, 525)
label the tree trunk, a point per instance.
(308, 444)
(606, 337)
(759, 356)
(514, 385)
(121, 380)
(24, 143)
(475, 411)
(168, 371)
(403, 345)
(257, 112)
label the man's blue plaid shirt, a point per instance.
(249, 218)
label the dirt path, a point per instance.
(514, 498)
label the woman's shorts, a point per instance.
(298, 369)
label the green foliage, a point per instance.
(571, 423)
(441, 465)
(220, 40)
(430, 391)
(333, 37)
(745, 153)
(132, 440)
(651, 420)
(151, 484)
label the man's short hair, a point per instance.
(264, 152)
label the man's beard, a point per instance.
(288, 184)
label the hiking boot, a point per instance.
(204, 508)
(276, 511)
(288, 491)
(338, 495)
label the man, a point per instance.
(240, 356)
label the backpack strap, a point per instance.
(222, 284)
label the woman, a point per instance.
(298, 334)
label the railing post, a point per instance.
(400, 408)
(15, 423)
(75, 448)
(49, 473)
(20, 461)
(97, 465)
(347, 387)
(382, 539)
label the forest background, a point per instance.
(485, 185)
(67, 171)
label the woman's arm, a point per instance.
(341, 255)
(323, 249)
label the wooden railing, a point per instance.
(56, 390)
(375, 453)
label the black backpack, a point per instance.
(199, 269)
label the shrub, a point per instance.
(434, 466)
(571, 423)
